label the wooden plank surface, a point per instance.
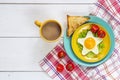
(21, 49)
(18, 20)
(48, 1)
(24, 76)
(20, 45)
(23, 54)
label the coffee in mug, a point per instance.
(50, 30)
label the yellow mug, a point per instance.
(50, 30)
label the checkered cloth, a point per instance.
(109, 10)
(50, 62)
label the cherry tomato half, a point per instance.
(101, 33)
(94, 28)
(60, 67)
(70, 66)
(61, 54)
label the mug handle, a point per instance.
(38, 23)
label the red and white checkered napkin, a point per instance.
(50, 62)
(109, 10)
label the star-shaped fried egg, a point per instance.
(90, 43)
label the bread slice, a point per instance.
(73, 22)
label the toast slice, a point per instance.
(73, 22)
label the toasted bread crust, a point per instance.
(73, 22)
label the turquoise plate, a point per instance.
(68, 48)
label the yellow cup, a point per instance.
(43, 25)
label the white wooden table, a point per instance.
(21, 48)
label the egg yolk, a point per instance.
(89, 43)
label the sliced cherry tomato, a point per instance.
(60, 67)
(61, 54)
(70, 66)
(101, 33)
(94, 28)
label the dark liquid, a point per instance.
(51, 30)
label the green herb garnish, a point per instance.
(83, 33)
(90, 54)
(80, 47)
(101, 46)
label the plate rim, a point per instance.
(72, 39)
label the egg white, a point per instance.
(97, 41)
